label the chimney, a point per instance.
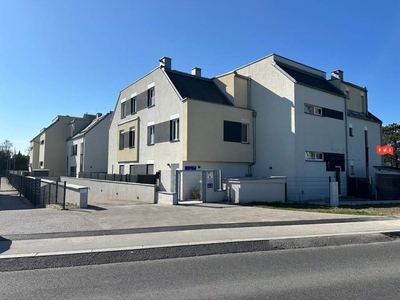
(165, 62)
(337, 74)
(196, 71)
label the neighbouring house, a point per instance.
(87, 149)
(169, 120)
(48, 148)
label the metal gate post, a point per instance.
(177, 184)
(204, 186)
(65, 192)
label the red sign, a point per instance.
(382, 150)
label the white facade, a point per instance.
(87, 150)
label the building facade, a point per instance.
(169, 120)
(87, 150)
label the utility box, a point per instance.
(334, 194)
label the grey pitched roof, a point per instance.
(199, 88)
(364, 116)
(89, 126)
(311, 80)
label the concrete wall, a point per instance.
(129, 154)
(247, 190)
(111, 190)
(235, 89)
(74, 160)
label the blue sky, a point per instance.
(72, 57)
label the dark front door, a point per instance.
(337, 176)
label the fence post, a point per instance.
(20, 185)
(49, 193)
(65, 192)
(56, 191)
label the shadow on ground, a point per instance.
(5, 244)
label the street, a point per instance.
(346, 272)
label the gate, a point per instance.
(359, 187)
(190, 185)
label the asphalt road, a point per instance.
(370, 271)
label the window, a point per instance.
(151, 97)
(132, 137)
(347, 94)
(74, 150)
(150, 135)
(122, 169)
(132, 169)
(121, 140)
(123, 110)
(313, 110)
(317, 156)
(350, 131)
(41, 163)
(42, 142)
(245, 131)
(133, 105)
(82, 148)
(150, 169)
(174, 130)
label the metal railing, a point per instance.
(38, 191)
(149, 179)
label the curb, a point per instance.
(120, 255)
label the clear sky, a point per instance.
(69, 57)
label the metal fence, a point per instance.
(149, 179)
(39, 192)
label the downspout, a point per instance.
(254, 114)
(346, 135)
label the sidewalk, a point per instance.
(42, 232)
(9, 199)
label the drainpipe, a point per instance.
(254, 114)
(346, 135)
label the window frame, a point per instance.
(123, 110)
(151, 133)
(151, 98)
(313, 156)
(121, 143)
(246, 126)
(313, 110)
(132, 134)
(174, 130)
(133, 105)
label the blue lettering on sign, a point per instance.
(209, 185)
(190, 168)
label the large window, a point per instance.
(236, 132)
(174, 130)
(121, 139)
(315, 156)
(151, 100)
(150, 135)
(132, 137)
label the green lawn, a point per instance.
(366, 210)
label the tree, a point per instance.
(10, 159)
(391, 137)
